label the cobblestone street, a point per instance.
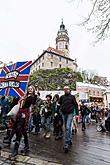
(23, 160)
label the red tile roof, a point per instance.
(56, 51)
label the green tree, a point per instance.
(55, 79)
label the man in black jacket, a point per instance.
(84, 112)
(68, 105)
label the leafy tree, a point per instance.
(55, 79)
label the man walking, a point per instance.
(68, 106)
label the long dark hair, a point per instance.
(56, 96)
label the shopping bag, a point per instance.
(14, 110)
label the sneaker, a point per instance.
(70, 143)
(65, 148)
(83, 129)
(57, 138)
(47, 136)
(44, 134)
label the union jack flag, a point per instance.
(14, 78)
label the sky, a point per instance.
(27, 27)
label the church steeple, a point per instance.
(62, 40)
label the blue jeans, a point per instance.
(68, 121)
(46, 123)
(83, 122)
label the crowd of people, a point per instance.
(59, 116)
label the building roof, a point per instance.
(80, 84)
(54, 52)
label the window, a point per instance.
(52, 56)
(51, 64)
(89, 91)
(43, 57)
(60, 58)
(93, 92)
(59, 65)
(66, 46)
(60, 45)
(98, 93)
(66, 61)
(42, 64)
(39, 66)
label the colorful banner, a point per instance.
(14, 78)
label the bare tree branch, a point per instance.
(98, 20)
(89, 16)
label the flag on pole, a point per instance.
(14, 78)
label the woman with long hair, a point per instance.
(22, 119)
(57, 118)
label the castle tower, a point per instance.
(62, 40)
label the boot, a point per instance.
(15, 150)
(8, 135)
(8, 141)
(26, 148)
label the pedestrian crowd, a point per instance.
(58, 116)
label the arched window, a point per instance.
(66, 46)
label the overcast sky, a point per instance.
(27, 27)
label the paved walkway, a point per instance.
(22, 160)
(89, 148)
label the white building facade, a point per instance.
(56, 58)
(91, 92)
(51, 60)
(106, 96)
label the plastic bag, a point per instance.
(14, 110)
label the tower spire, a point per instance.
(62, 20)
(62, 26)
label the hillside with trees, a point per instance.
(55, 79)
